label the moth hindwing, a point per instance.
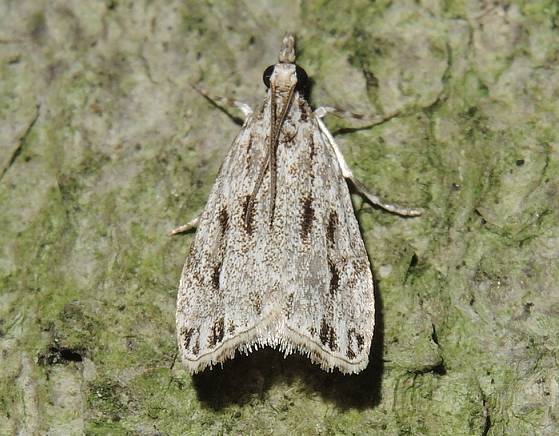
(278, 259)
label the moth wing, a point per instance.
(304, 283)
(230, 283)
(328, 309)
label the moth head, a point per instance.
(283, 76)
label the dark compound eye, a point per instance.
(267, 75)
(302, 79)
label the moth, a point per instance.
(277, 259)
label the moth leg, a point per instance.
(359, 186)
(192, 224)
(374, 199)
(224, 101)
(371, 121)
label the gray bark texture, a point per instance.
(105, 147)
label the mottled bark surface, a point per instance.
(104, 147)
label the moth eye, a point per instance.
(302, 79)
(267, 75)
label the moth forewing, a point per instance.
(329, 312)
(303, 284)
